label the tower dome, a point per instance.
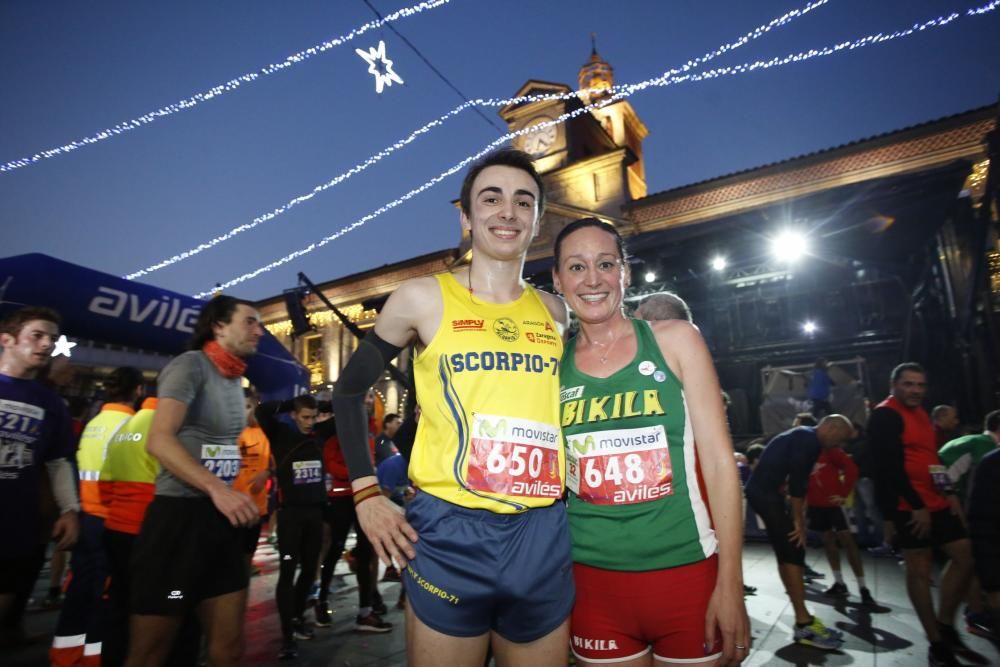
(596, 77)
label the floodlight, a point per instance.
(789, 246)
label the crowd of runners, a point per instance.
(558, 499)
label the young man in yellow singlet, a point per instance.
(484, 544)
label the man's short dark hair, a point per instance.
(806, 419)
(389, 418)
(219, 310)
(13, 323)
(754, 452)
(910, 366)
(304, 402)
(507, 157)
(121, 383)
(992, 421)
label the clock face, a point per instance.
(539, 140)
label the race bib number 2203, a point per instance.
(223, 461)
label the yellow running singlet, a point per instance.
(488, 387)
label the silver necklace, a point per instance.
(604, 357)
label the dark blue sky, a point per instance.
(72, 68)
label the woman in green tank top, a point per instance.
(648, 452)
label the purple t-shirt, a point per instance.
(34, 428)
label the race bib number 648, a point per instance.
(619, 467)
(514, 457)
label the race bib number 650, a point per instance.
(514, 457)
(619, 467)
(223, 461)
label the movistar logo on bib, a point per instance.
(599, 443)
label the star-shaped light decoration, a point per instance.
(379, 66)
(63, 346)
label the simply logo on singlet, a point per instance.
(506, 329)
(468, 325)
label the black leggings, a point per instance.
(340, 516)
(300, 534)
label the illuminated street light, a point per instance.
(789, 246)
(809, 327)
(650, 276)
(719, 263)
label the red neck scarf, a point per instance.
(228, 364)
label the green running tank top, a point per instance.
(634, 499)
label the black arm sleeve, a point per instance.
(267, 416)
(885, 437)
(325, 429)
(363, 370)
(405, 437)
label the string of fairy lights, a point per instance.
(621, 92)
(439, 122)
(218, 91)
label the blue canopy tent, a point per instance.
(112, 310)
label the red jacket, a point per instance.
(338, 479)
(919, 454)
(833, 474)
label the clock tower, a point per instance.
(592, 163)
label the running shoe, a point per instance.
(371, 623)
(817, 635)
(838, 589)
(302, 631)
(322, 614)
(980, 623)
(289, 650)
(391, 574)
(810, 573)
(867, 599)
(950, 636)
(379, 608)
(940, 655)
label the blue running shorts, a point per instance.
(477, 571)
